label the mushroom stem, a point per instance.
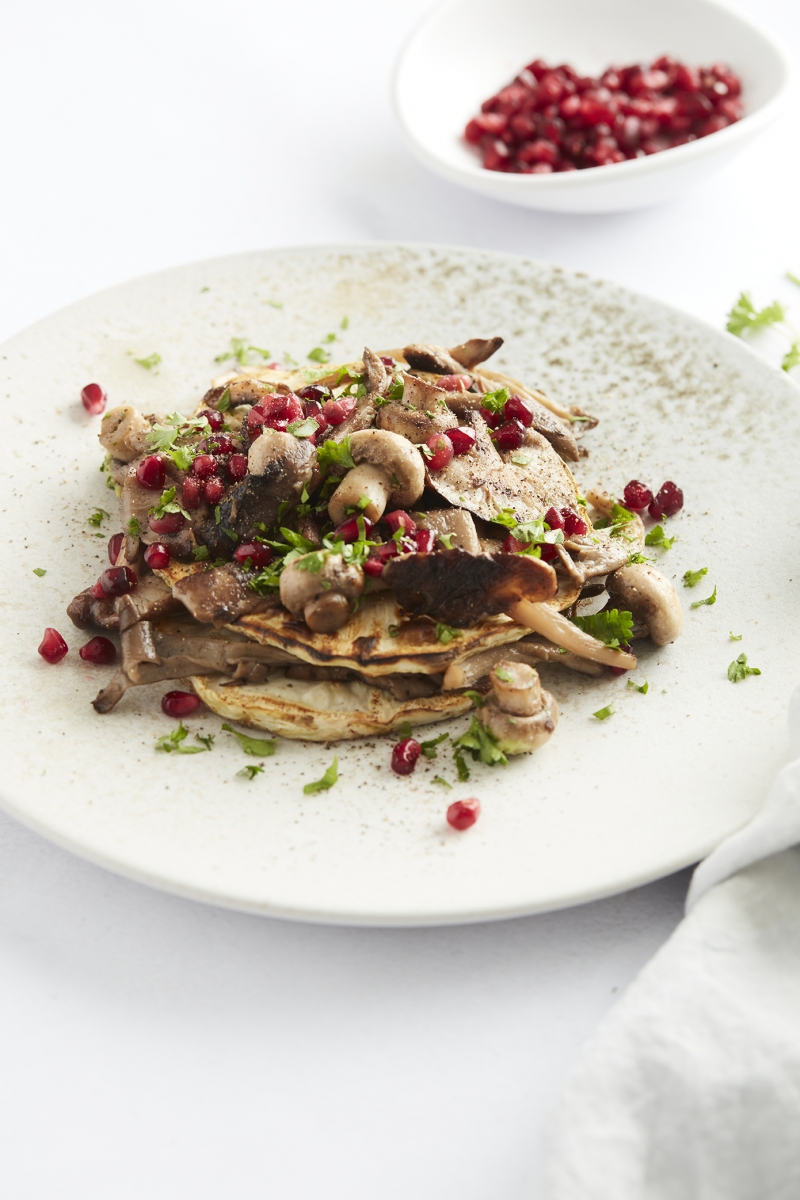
(365, 480)
(556, 628)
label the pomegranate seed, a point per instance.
(462, 439)
(388, 361)
(281, 410)
(114, 547)
(426, 541)
(455, 383)
(517, 409)
(314, 394)
(618, 670)
(214, 418)
(93, 399)
(118, 581)
(157, 556)
(553, 519)
(204, 466)
(637, 496)
(99, 651)
(463, 813)
(53, 647)
(180, 704)
(151, 473)
(405, 755)
(573, 524)
(237, 466)
(373, 566)
(442, 451)
(492, 419)
(510, 436)
(547, 552)
(219, 444)
(258, 554)
(667, 502)
(167, 522)
(400, 520)
(348, 531)
(97, 592)
(213, 490)
(190, 491)
(336, 412)
(513, 545)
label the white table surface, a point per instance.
(151, 1046)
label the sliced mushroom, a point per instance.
(319, 587)
(123, 432)
(520, 714)
(388, 468)
(376, 377)
(544, 422)
(456, 524)
(422, 412)
(431, 358)
(650, 597)
(470, 354)
(220, 595)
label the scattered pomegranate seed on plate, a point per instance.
(667, 502)
(637, 496)
(100, 650)
(118, 581)
(405, 755)
(93, 399)
(180, 704)
(463, 813)
(157, 556)
(52, 646)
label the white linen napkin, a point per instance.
(690, 1088)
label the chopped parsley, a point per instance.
(344, 323)
(461, 765)
(739, 669)
(207, 739)
(249, 771)
(200, 553)
(657, 537)
(335, 454)
(258, 747)
(735, 637)
(134, 529)
(275, 303)
(447, 540)
(168, 504)
(40, 571)
(445, 633)
(395, 389)
(98, 516)
(638, 557)
(429, 748)
(521, 459)
(481, 744)
(151, 363)
(163, 437)
(616, 522)
(792, 356)
(241, 350)
(496, 401)
(614, 627)
(712, 599)
(744, 315)
(692, 578)
(603, 714)
(303, 429)
(442, 782)
(327, 781)
(644, 688)
(319, 355)
(476, 698)
(170, 742)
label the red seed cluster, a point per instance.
(667, 501)
(553, 119)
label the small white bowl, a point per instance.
(468, 49)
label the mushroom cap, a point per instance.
(300, 586)
(650, 597)
(397, 456)
(294, 458)
(519, 734)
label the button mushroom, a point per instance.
(520, 714)
(319, 587)
(388, 468)
(650, 597)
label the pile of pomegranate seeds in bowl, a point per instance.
(551, 119)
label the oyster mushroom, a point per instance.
(123, 432)
(322, 596)
(423, 411)
(650, 597)
(388, 468)
(520, 714)
(476, 350)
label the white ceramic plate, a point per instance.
(466, 50)
(607, 805)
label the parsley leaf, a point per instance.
(793, 278)
(395, 389)
(712, 599)
(603, 714)
(638, 557)
(481, 744)
(255, 746)
(521, 459)
(744, 315)
(319, 355)
(206, 738)
(134, 529)
(447, 540)
(249, 771)
(40, 571)
(200, 553)
(735, 637)
(168, 504)
(445, 633)
(461, 766)
(692, 578)
(429, 748)
(616, 522)
(657, 537)
(739, 669)
(241, 351)
(612, 627)
(98, 516)
(495, 402)
(442, 782)
(163, 437)
(224, 402)
(170, 742)
(303, 429)
(335, 454)
(476, 698)
(328, 779)
(644, 688)
(344, 323)
(792, 356)
(151, 363)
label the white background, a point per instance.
(150, 1046)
